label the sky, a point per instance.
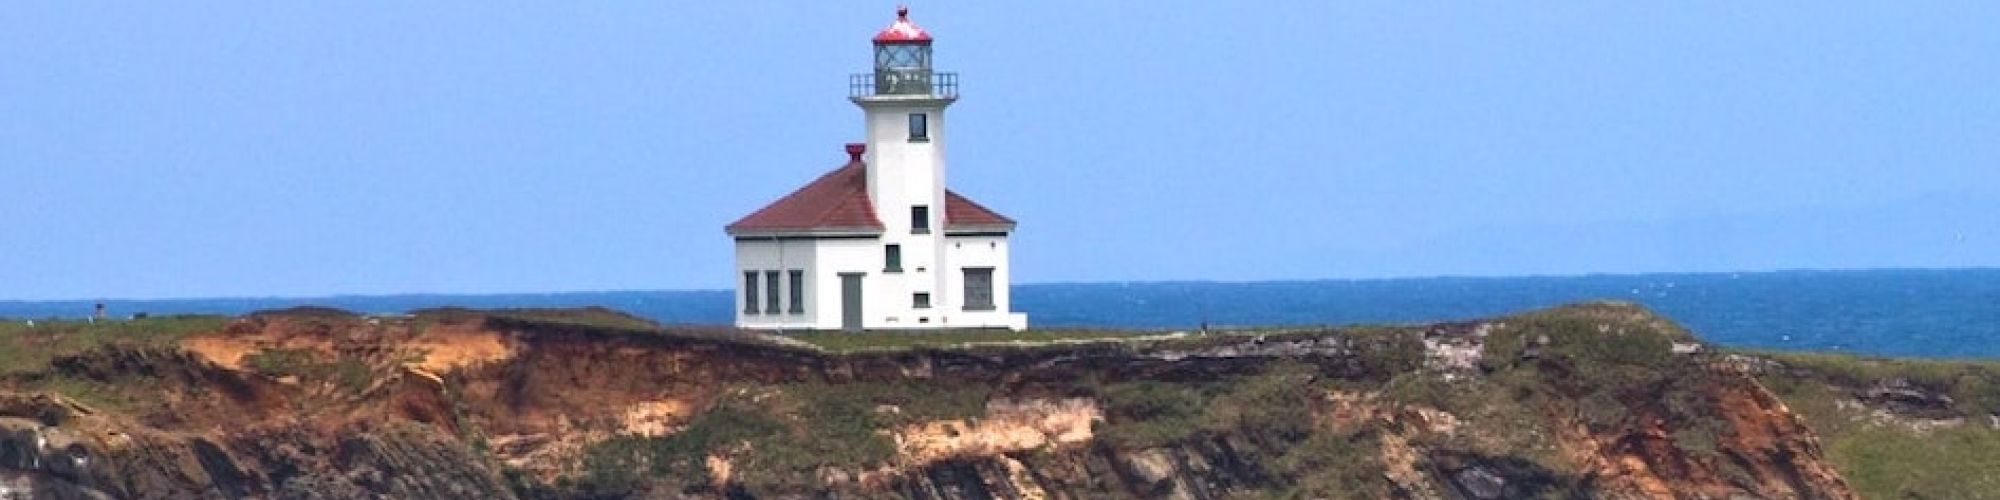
(164, 149)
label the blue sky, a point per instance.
(257, 148)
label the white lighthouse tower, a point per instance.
(880, 243)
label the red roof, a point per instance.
(903, 31)
(960, 211)
(837, 200)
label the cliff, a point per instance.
(1595, 400)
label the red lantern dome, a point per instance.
(903, 31)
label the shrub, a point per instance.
(776, 444)
(1274, 405)
(347, 373)
(1147, 413)
(1332, 465)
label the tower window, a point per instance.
(920, 127)
(798, 292)
(771, 293)
(920, 219)
(920, 300)
(892, 258)
(749, 292)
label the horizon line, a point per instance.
(1034, 284)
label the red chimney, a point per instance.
(854, 150)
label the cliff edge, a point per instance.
(1601, 400)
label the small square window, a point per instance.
(920, 219)
(892, 258)
(920, 300)
(920, 127)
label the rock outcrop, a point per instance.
(1584, 401)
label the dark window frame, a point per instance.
(920, 219)
(920, 300)
(750, 292)
(920, 127)
(892, 258)
(978, 301)
(798, 295)
(771, 302)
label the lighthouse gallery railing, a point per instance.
(936, 84)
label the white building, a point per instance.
(879, 243)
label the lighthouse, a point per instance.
(880, 243)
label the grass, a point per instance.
(879, 340)
(776, 441)
(1885, 458)
(1884, 462)
(1974, 385)
(25, 349)
(348, 373)
(591, 317)
(1148, 413)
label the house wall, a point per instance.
(887, 297)
(982, 251)
(781, 255)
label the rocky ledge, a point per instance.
(1595, 400)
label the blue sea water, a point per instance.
(1935, 313)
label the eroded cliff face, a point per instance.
(1583, 401)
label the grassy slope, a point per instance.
(889, 340)
(25, 349)
(1890, 457)
(1882, 459)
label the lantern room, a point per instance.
(903, 59)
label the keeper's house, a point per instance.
(879, 243)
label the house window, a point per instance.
(920, 219)
(892, 258)
(771, 293)
(920, 300)
(798, 291)
(979, 289)
(749, 292)
(920, 127)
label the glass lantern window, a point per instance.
(902, 56)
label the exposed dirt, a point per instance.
(470, 404)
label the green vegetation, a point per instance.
(1268, 418)
(1607, 366)
(1974, 385)
(1886, 462)
(878, 340)
(1146, 413)
(1889, 456)
(1333, 465)
(1603, 365)
(586, 317)
(348, 373)
(776, 441)
(25, 349)
(1271, 407)
(1601, 356)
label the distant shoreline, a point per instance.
(1891, 312)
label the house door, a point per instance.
(850, 302)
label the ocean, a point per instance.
(1930, 313)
